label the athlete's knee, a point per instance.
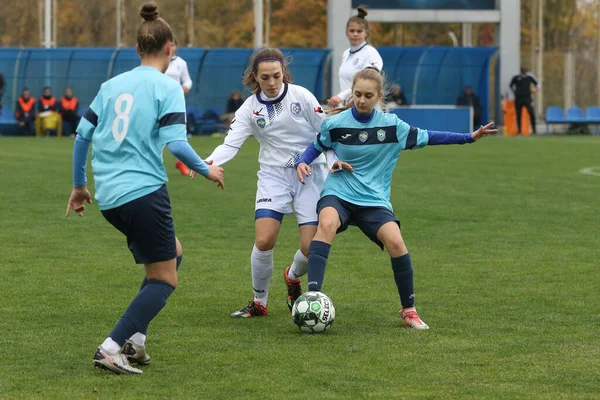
(328, 226)
(395, 245)
(265, 242)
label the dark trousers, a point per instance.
(519, 104)
(70, 122)
(27, 125)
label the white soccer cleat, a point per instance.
(411, 319)
(116, 362)
(136, 353)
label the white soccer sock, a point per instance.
(299, 266)
(262, 269)
(111, 346)
(138, 338)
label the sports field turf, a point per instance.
(503, 234)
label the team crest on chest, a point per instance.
(363, 136)
(261, 123)
(295, 108)
(381, 135)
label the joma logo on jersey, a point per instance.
(261, 123)
(363, 136)
(263, 200)
(318, 110)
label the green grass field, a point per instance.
(504, 239)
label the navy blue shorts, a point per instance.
(368, 219)
(148, 225)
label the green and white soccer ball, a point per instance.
(313, 312)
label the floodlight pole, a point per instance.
(190, 23)
(118, 30)
(268, 24)
(540, 61)
(598, 54)
(48, 24)
(258, 24)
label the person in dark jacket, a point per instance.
(25, 113)
(395, 98)
(468, 98)
(234, 102)
(522, 86)
(2, 88)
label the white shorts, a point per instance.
(279, 190)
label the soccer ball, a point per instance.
(313, 312)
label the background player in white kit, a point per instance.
(178, 70)
(359, 56)
(285, 119)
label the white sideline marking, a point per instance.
(595, 171)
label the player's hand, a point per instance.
(215, 174)
(302, 170)
(78, 196)
(340, 165)
(193, 173)
(483, 131)
(334, 101)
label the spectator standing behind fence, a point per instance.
(234, 102)
(69, 109)
(359, 56)
(2, 88)
(25, 113)
(178, 70)
(470, 99)
(522, 86)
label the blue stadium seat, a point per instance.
(554, 115)
(8, 123)
(575, 114)
(592, 116)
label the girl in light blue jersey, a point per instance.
(367, 143)
(129, 123)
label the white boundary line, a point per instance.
(595, 171)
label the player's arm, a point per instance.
(513, 84)
(172, 132)
(239, 130)
(415, 138)
(186, 80)
(85, 131)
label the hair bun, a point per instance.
(149, 11)
(362, 11)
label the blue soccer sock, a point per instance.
(142, 309)
(317, 260)
(145, 281)
(403, 275)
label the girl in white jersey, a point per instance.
(359, 56)
(285, 119)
